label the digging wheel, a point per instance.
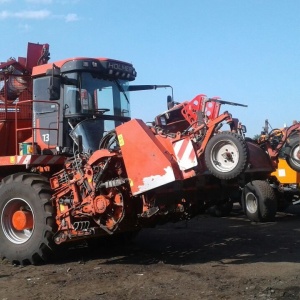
(226, 155)
(27, 219)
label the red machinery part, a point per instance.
(147, 162)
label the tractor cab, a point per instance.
(79, 100)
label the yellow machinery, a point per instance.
(287, 182)
(285, 174)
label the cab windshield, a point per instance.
(89, 94)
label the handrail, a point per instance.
(33, 128)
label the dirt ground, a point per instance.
(204, 258)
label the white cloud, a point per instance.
(24, 27)
(41, 14)
(71, 18)
(69, 2)
(4, 14)
(32, 14)
(26, 14)
(39, 1)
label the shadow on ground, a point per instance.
(230, 240)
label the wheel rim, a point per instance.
(12, 210)
(251, 203)
(225, 156)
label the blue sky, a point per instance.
(246, 51)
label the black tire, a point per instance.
(226, 155)
(30, 193)
(292, 154)
(259, 201)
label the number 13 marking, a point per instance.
(46, 137)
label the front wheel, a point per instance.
(27, 219)
(226, 155)
(259, 201)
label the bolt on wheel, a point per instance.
(225, 156)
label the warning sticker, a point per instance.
(121, 140)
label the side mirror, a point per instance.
(55, 82)
(54, 88)
(170, 102)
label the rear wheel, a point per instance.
(226, 155)
(27, 219)
(259, 201)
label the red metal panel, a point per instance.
(212, 109)
(147, 161)
(259, 161)
(192, 108)
(34, 52)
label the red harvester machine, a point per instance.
(73, 165)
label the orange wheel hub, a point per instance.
(22, 220)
